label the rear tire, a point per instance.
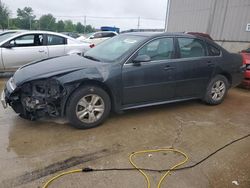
(216, 90)
(88, 107)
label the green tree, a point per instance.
(12, 23)
(47, 22)
(4, 15)
(25, 18)
(89, 29)
(69, 26)
(60, 26)
(79, 28)
(36, 25)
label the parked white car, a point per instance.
(22, 47)
(97, 37)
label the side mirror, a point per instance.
(141, 58)
(8, 45)
(91, 37)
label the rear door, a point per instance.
(56, 45)
(194, 67)
(150, 81)
(26, 48)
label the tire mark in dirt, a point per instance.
(56, 167)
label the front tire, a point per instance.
(216, 90)
(88, 107)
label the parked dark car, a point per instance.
(127, 71)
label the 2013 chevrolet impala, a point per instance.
(128, 71)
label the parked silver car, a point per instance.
(97, 37)
(22, 47)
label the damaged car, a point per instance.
(128, 71)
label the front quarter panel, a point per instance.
(108, 75)
(80, 75)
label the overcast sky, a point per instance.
(125, 12)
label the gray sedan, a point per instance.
(22, 47)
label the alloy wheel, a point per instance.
(90, 108)
(218, 90)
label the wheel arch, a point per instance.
(227, 76)
(223, 72)
(90, 83)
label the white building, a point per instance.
(227, 21)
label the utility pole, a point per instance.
(85, 22)
(30, 22)
(138, 23)
(167, 15)
(8, 23)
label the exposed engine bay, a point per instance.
(38, 98)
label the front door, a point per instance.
(151, 81)
(26, 48)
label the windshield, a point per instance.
(114, 48)
(4, 36)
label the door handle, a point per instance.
(168, 67)
(210, 64)
(40, 51)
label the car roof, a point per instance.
(40, 31)
(170, 34)
(105, 32)
(23, 32)
(155, 34)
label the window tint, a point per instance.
(56, 40)
(108, 34)
(158, 49)
(28, 40)
(97, 35)
(191, 47)
(213, 51)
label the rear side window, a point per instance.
(56, 40)
(97, 35)
(191, 48)
(213, 51)
(108, 34)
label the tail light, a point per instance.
(92, 45)
(246, 58)
(243, 59)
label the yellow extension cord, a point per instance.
(153, 151)
(134, 165)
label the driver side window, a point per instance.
(159, 49)
(28, 40)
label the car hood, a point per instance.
(51, 67)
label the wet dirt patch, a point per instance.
(56, 167)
